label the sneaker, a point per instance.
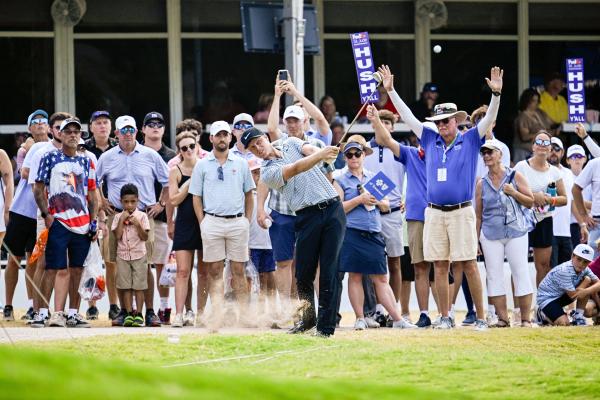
(481, 325)
(445, 323)
(58, 319)
(540, 317)
(119, 320)
(301, 327)
(470, 318)
(138, 320)
(371, 323)
(9, 314)
(452, 319)
(437, 321)
(114, 312)
(165, 316)
(424, 321)
(38, 321)
(128, 321)
(188, 318)
(178, 321)
(577, 319)
(403, 324)
(92, 313)
(360, 324)
(516, 317)
(77, 321)
(491, 318)
(28, 316)
(406, 317)
(381, 319)
(151, 318)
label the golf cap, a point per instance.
(557, 142)
(99, 114)
(250, 134)
(69, 121)
(36, 112)
(243, 117)
(219, 126)
(430, 87)
(294, 112)
(492, 144)
(153, 115)
(125, 120)
(584, 251)
(575, 149)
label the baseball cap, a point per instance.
(557, 142)
(294, 112)
(243, 117)
(153, 115)
(575, 149)
(99, 114)
(69, 121)
(584, 251)
(219, 126)
(250, 134)
(492, 144)
(125, 120)
(36, 112)
(430, 87)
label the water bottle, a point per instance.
(551, 190)
(93, 229)
(361, 190)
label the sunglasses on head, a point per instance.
(444, 121)
(351, 154)
(39, 121)
(220, 173)
(127, 130)
(189, 146)
(155, 124)
(542, 142)
(464, 127)
(242, 126)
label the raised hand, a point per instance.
(372, 113)
(388, 78)
(580, 130)
(495, 79)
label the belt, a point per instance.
(225, 216)
(451, 207)
(392, 210)
(319, 206)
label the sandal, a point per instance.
(502, 323)
(525, 323)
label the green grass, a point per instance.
(552, 363)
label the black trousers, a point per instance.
(562, 249)
(319, 237)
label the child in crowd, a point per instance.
(565, 283)
(131, 231)
(261, 252)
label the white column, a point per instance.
(319, 59)
(64, 69)
(422, 53)
(293, 24)
(175, 73)
(523, 44)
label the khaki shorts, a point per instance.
(132, 274)
(449, 235)
(224, 238)
(112, 241)
(415, 241)
(391, 229)
(162, 244)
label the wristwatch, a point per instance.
(496, 93)
(43, 214)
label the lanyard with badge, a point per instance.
(442, 173)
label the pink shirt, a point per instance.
(131, 247)
(200, 152)
(595, 267)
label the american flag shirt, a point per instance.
(68, 180)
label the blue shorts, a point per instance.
(555, 309)
(283, 236)
(61, 242)
(262, 260)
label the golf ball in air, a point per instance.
(437, 48)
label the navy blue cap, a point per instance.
(430, 87)
(250, 134)
(153, 115)
(98, 114)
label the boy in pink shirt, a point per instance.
(131, 227)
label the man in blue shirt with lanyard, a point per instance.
(449, 232)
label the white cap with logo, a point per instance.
(243, 117)
(557, 142)
(219, 126)
(124, 121)
(584, 251)
(294, 112)
(575, 149)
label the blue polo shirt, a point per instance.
(359, 217)
(416, 182)
(451, 171)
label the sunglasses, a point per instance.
(185, 148)
(220, 173)
(349, 155)
(127, 130)
(556, 148)
(542, 142)
(576, 156)
(464, 127)
(242, 126)
(444, 121)
(486, 152)
(155, 124)
(39, 121)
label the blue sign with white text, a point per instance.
(380, 186)
(576, 89)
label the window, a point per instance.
(26, 15)
(371, 16)
(124, 16)
(210, 16)
(568, 18)
(477, 18)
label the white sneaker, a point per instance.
(360, 324)
(58, 319)
(445, 323)
(189, 318)
(406, 317)
(403, 324)
(492, 319)
(437, 321)
(177, 321)
(481, 325)
(516, 318)
(371, 323)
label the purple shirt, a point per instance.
(416, 183)
(450, 171)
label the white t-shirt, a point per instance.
(586, 194)
(591, 175)
(382, 159)
(561, 224)
(259, 238)
(538, 182)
